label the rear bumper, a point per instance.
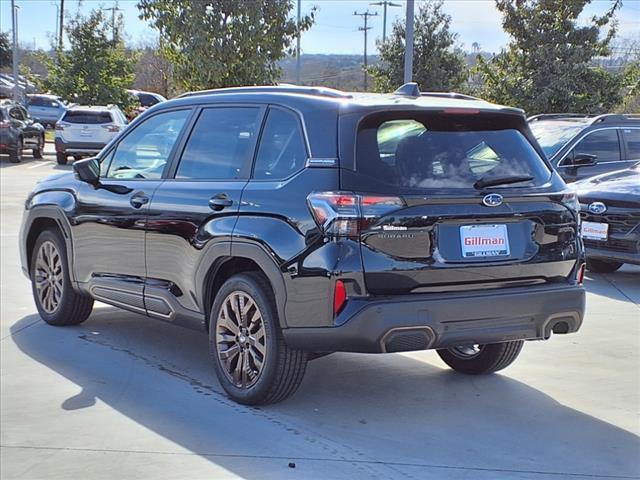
(607, 254)
(78, 147)
(419, 322)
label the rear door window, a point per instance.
(430, 151)
(87, 117)
(220, 144)
(604, 144)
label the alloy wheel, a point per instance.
(49, 277)
(241, 339)
(467, 352)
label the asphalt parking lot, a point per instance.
(122, 396)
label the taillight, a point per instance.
(580, 274)
(339, 297)
(111, 128)
(5, 124)
(59, 126)
(344, 214)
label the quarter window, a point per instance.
(282, 150)
(602, 143)
(143, 153)
(632, 139)
(220, 143)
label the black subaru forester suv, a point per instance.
(291, 222)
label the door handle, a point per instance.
(138, 200)
(220, 201)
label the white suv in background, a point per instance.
(84, 131)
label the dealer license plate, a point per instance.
(484, 241)
(594, 230)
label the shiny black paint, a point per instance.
(166, 250)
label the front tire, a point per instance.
(602, 266)
(57, 302)
(253, 363)
(15, 156)
(61, 158)
(481, 359)
(38, 152)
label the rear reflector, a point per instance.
(580, 275)
(339, 297)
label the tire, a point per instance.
(486, 359)
(281, 370)
(67, 307)
(61, 158)
(38, 153)
(15, 156)
(602, 266)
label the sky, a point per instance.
(335, 30)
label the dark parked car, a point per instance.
(581, 146)
(610, 211)
(291, 222)
(18, 131)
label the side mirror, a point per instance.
(88, 171)
(584, 160)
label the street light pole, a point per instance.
(15, 59)
(408, 44)
(61, 30)
(298, 47)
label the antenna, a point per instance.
(365, 16)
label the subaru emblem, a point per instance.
(492, 200)
(597, 208)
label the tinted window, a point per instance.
(282, 150)
(43, 102)
(602, 143)
(413, 154)
(17, 113)
(552, 135)
(144, 152)
(147, 100)
(219, 144)
(86, 117)
(632, 139)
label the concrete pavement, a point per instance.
(122, 396)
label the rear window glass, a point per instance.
(86, 117)
(436, 152)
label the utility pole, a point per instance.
(365, 16)
(298, 47)
(408, 44)
(384, 4)
(114, 30)
(61, 30)
(15, 59)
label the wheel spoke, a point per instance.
(48, 277)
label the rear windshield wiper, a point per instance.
(503, 180)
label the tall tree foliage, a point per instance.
(437, 64)
(95, 70)
(548, 64)
(5, 50)
(220, 43)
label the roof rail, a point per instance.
(548, 116)
(304, 90)
(458, 96)
(615, 117)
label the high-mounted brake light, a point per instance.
(345, 214)
(462, 111)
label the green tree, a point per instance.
(5, 50)
(548, 65)
(95, 70)
(221, 43)
(631, 88)
(438, 65)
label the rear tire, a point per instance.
(481, 359)
(602, 266)
(15, 156)
(61, 158)
(38, 152)
(253, 363)
(57, 302)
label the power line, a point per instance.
(365, 16)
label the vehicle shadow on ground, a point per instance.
(620, 285)
(26, 159)
(360, 410)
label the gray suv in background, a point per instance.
(581, 146)
(46, 109)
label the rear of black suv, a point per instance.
(467, 241)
